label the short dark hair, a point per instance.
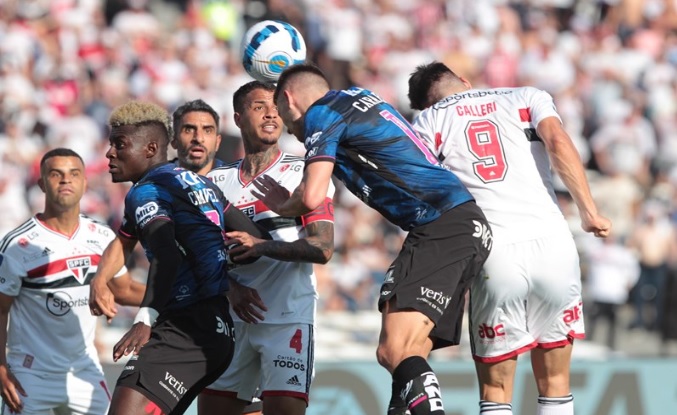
(59, 152)
(421, 82)
(244, 90)
(294, 70)
(197, 105)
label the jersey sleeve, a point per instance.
(323, 131)
(11, 274)
(143, 205)
(424, 127)
(541, 105)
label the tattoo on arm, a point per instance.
(317, 247)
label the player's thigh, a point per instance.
(241, 378)
(498, 320)
(223, 403)
(88, 393)
(45, 392)
(284, 405)
(287, 360)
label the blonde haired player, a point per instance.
(501, 143)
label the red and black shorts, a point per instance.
(189, 348)
(433, 271)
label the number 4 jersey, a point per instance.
(488, 138)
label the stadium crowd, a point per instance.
(611, 66)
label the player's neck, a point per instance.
(64, 222)
(255, 163)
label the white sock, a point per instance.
(495, 408)
(556, 406)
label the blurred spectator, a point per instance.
(654, 240)
(612, 270)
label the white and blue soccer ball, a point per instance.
(271, 46)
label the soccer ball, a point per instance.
(270, 47)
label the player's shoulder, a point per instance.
(288, 158)
(92, 223)
(17, 235)
(224, 167)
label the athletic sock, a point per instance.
(397, 405)
(421, 392)
(495, 408)
(556, 406)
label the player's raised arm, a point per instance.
(567, 163)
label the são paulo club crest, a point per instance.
(79, 267)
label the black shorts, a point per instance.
(435, 267)
(189, 348)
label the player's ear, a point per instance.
(151, 149)
(465, 82)
(41, 184)
(237, 117)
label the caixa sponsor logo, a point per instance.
(486, 331)
(60, 303)
(290, 365)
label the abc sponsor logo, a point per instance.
(59, 303)
(573, 314)
(486, 331)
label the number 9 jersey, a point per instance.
(488, 139)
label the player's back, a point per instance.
(488, 139)
(379, 158)
(195, 205)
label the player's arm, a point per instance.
(11, 388)
(126, 290)
(567, 163)
(166, 259)
(235, 220)
(101, 298)
(307, 196)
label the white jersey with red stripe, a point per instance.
(48, 273)
(288, 289)
(488, 139)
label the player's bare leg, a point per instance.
(284, 405)
(552, 372)
(127, 401)
(208, 403)
(496, 386)
(403, 348)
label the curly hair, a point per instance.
(141, 113)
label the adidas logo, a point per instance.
(294, 380)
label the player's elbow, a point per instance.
(312, 201)
(327, 253)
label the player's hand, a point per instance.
(598, 225)
(11, 389)
(132, 341)
(243, 247)
(101, 299)
(270, 192)
(246, 303)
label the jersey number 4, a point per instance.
(296, 342)
(484, 142)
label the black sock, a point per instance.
(396, 405)
(421, 390)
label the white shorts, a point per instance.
(80, 393)
(278, 359)
(528, 296)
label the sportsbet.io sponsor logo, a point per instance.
(59, 303)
